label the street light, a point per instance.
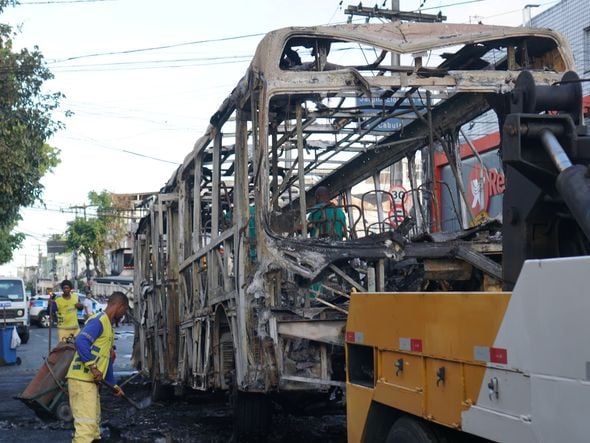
(526, 13)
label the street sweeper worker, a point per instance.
(66, 309)
(91, 364)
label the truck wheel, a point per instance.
(44, 319)
(63, 411)
(410, 430)
(253, 415)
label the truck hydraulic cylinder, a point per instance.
(573, 184)
(573, 181)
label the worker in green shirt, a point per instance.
(325, 219)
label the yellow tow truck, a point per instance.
(510, 365)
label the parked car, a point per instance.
(39, 312)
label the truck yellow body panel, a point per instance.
(429, 352)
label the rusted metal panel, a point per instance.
(331, 332)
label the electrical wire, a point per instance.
(54, 2)
(448, 5)
(517, 10)
(65, 69)
(158, 48)
(179, 60)
(118, 111)
(174, 45)
(125, 151)
(89, 214)
(132, 65)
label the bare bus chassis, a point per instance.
(231, 292)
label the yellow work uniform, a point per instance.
(83, 391)
(85, 405)
(67, 316)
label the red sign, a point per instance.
(402, 203)
(416, 345)
(482, 185)
(499, 355)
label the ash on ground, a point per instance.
(205, 418)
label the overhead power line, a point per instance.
(125, 151)
(54, 2)
(157, 61)
(71, 210)
(157, 48)
(160, 63)
(136, 68)
(450, 4)
(512, 11)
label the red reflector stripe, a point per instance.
(499, 355)
(350, 337)
(416, 345)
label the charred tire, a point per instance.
(63, 411)
(253, 415)
(410, 430)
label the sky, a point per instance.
(143, 77)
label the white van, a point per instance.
(13, 306)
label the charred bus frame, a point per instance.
(231, 292)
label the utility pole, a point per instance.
(526, 14)
(82, 207)
(75, 268)
(396, 171)
(37, 272)
(393, 14)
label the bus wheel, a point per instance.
(253, 415)
(409, 430)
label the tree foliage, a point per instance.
(86, 235)
(26, 124)
(92, 236)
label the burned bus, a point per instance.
(246, 261)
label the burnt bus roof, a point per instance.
(457, 71)
(405, 38)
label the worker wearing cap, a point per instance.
(91, 364)
(66, 307)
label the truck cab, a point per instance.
(13, 306)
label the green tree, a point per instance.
(91, 237)
(87, 237)
(26, 124)
(8, 243)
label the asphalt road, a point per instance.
(193, 418)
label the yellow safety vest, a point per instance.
(67, 314)
(101, 349)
